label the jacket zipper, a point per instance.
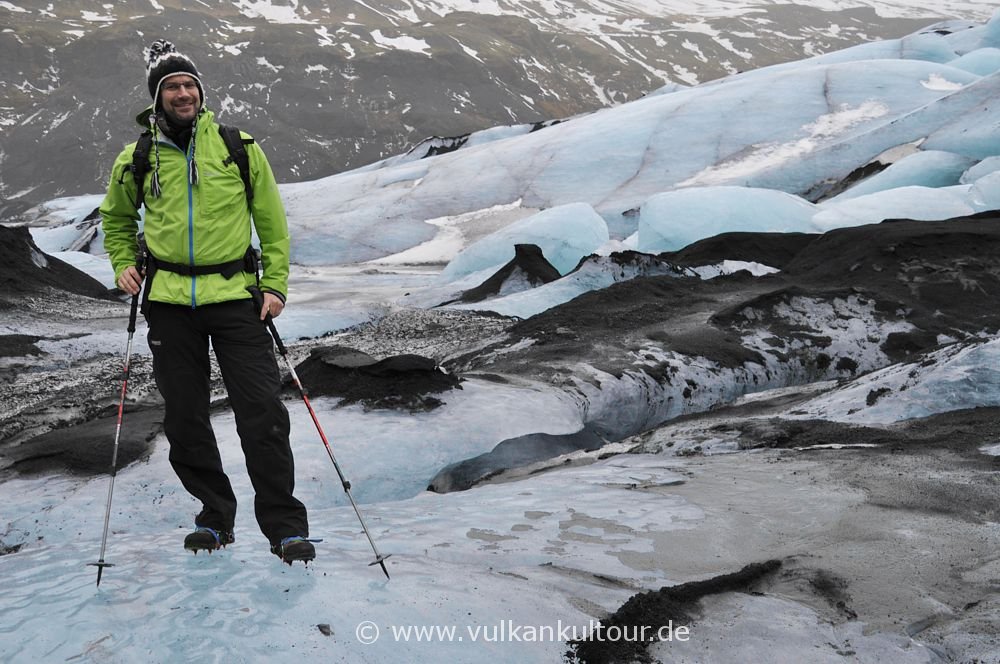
(187, 156)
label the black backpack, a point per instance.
(235, 143)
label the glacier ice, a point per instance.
(984, 61)
(972, 130)
(931, 168)
(784, 128)
(985, 193)
(673, 220)
(594, 273)
(565, 234)
(922, 203)
(984, 167)
(991, 32)
(954, 377)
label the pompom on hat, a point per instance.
(163, 60)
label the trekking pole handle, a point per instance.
(258, 300)
(140, 266)
(274, 334)
(132, 313)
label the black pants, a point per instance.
(179, 338)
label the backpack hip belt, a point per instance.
(246, 263)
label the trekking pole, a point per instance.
(100, 564)
(379, 558)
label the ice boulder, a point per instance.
(982, 61)
(985, 194)
(928, 46)
(674, 219)
(919, 203)
(565, 234)
(528, 269)
(991, 32)
(985, 167)
(594, 273)
(931, 168)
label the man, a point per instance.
(201, 276)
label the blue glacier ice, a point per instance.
(985, 193)
(593, 274)
(673, 220)
(791, 129)
(984, 167)
(984, 61)
(565, 234)
(932, 168)
(922, 203)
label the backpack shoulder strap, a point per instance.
(140, 166)
(236, 145)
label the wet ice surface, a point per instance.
(558, 548)
(466, 559)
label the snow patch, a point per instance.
(230, 105)
(938, 82)
(232, 49)
(269, 12)
(325, 39)
(94, 17)
(402, 43)
(262, 61)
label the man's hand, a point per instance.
(130, 281)
(272, 305)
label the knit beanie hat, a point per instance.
(162, 61)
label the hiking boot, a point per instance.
(295, 548)
(207, 539)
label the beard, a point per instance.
(176, 122)
(177, 129)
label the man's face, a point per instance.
(180, 98)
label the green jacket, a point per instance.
(203, 224)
